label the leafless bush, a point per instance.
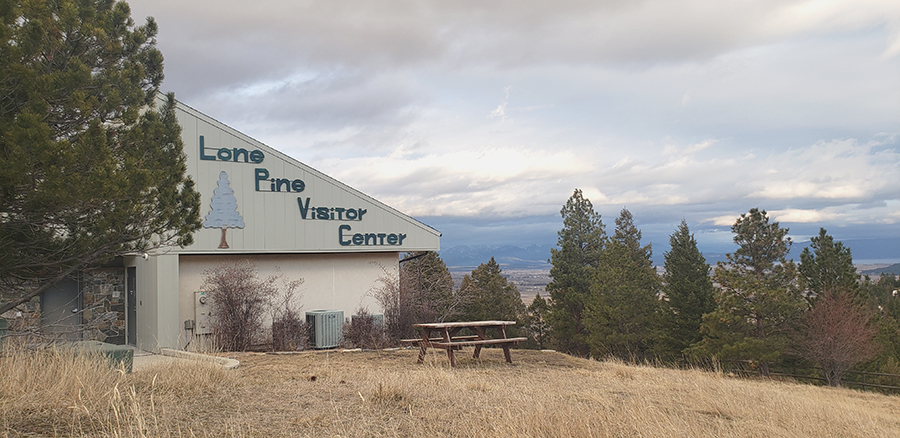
(398, 312)
(364, 332)
(289, 331)
(240, 300)
(837, 335)
(422, 292)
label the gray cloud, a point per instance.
(694, 109)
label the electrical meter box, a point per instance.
(202, 313)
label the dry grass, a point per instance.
(386, 394)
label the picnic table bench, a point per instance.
(446, 335)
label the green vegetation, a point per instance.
(758, 301)
(621, 312)
(689, 294)
(581, 243)
(764, 311)
(487, 295)
(89, 167)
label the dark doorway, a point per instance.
(131, 303)
(61, 311)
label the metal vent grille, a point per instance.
(326, 328)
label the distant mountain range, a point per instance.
(466, 257)
(892, 270)
(508, 256)
(519, 256)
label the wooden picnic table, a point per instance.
(446, 335)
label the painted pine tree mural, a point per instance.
(223, 213)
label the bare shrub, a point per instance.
(289, 330)
(837, 335)
(240, 299)
(398, 314)
(364, 332)
(422, 292)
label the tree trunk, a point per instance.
(223, 243)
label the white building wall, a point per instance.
(330, 281)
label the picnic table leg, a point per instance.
(506, 353)
(426, 334)
(479, 331)
(452, 357)
(421, 353)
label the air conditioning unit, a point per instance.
(326, 328)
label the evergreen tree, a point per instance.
(883, 298)
(487, 295)
(837, 332)
(89, 167)
(622, 311)
(689, 294)
(423, 293)
(536, 321)
(427, 281)
(758, 303)
(826, 268)
(581, 242)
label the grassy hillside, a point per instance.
(386, 393)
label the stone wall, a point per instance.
(103, 295)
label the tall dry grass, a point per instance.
(50, 391)
(385, 393)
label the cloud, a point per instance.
(837, 170)
(802, 216)
(695, 109)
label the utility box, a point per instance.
(202, 314)
(326, 328)
(117, 355)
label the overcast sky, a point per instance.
(481, 118)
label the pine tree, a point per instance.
(826, 268)
(429, 285)
(536, 321)
(581, 242)
(622, 311)
(487, 295)
(837, 332)
(689, 294)
(883, 297)
(423, 293)
(758, 303)
(90, 168)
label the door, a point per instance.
(61, 311)
(131, 305)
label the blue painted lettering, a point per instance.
(203, 155)
(323, 213)
(278, 184)
(235, 155)
(368, 239)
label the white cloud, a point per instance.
(698, 108)
(802, 216)
(840, 170)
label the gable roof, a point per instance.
(255, 199)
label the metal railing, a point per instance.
(864, 379)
